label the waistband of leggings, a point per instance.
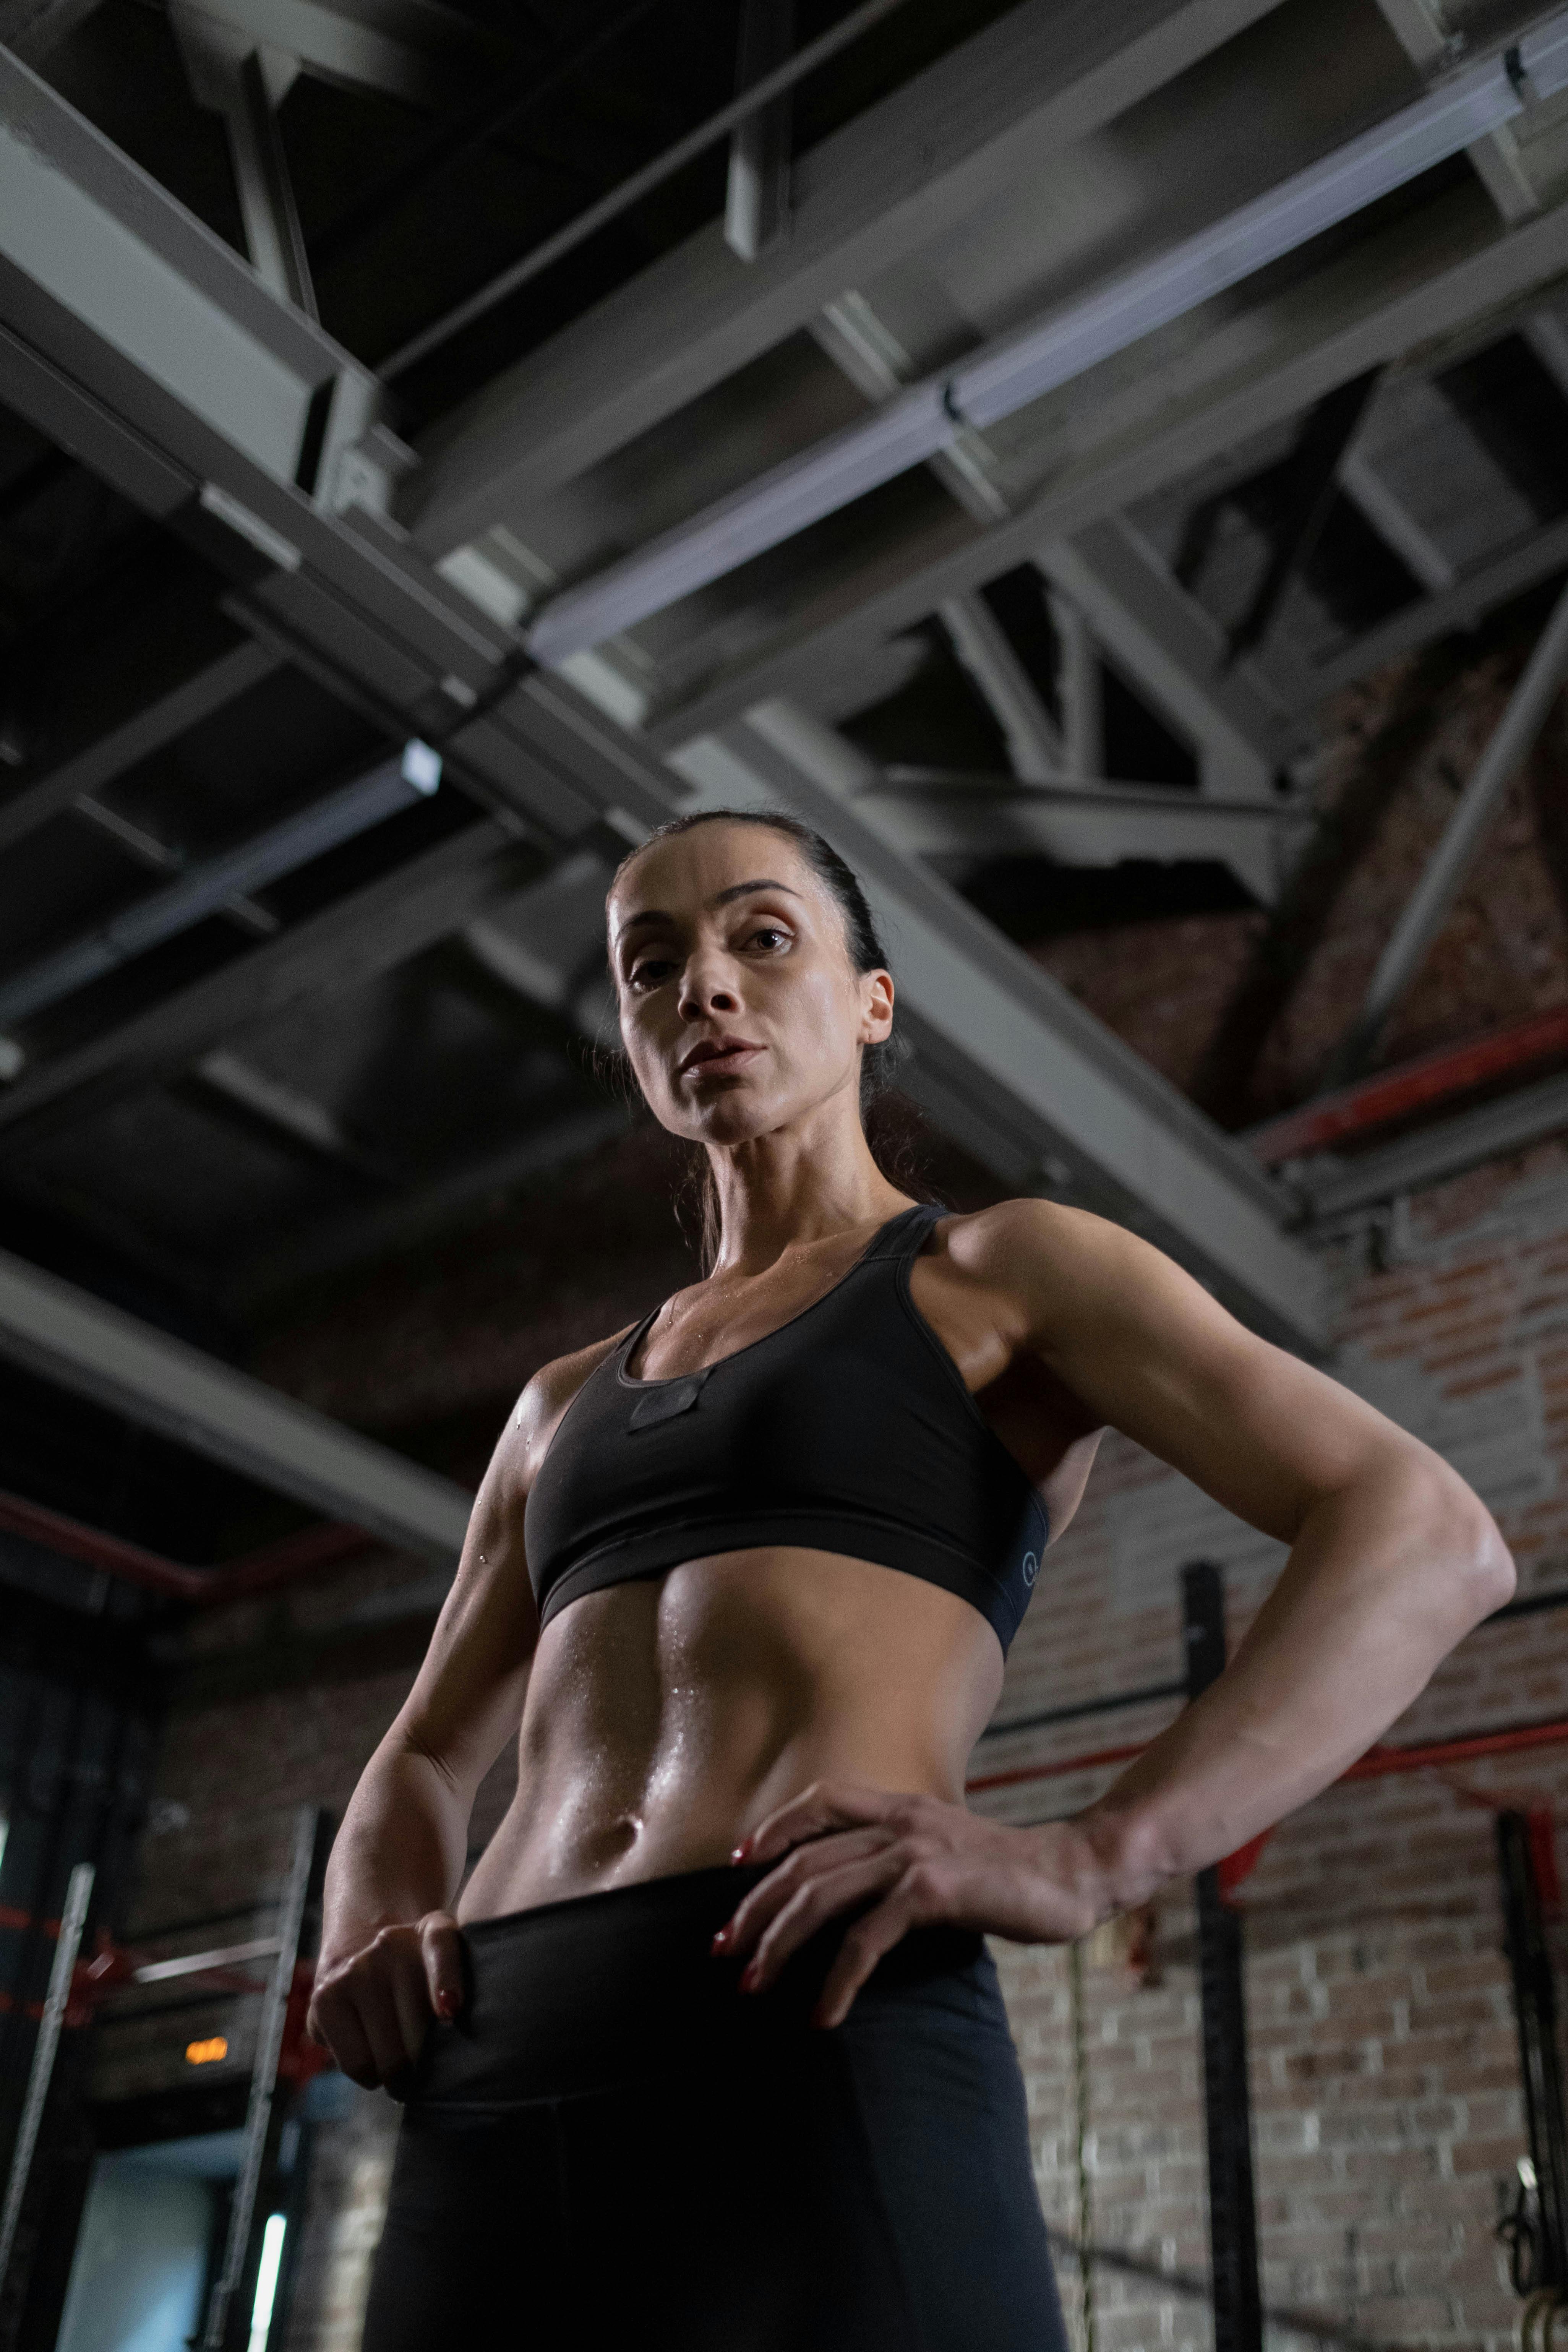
(608, 1988)
(642, 1905)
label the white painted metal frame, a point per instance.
(67, 1336)
(1067, 342)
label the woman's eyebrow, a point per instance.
(740, 890)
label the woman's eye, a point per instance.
(648, 973)
(769, 936)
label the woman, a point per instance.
(719, 2057)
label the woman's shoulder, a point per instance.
(540, 1408)
(993, 1240)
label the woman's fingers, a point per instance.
(373, 2012)
(820, 1900)
(826, 1805)
(334, 2022)
(376, 2007)
(441, 1950)
(913, 1902)
(767, 1899)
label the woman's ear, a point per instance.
(877, 1006)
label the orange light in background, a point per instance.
(207, 2053)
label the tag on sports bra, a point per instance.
(663, 1403)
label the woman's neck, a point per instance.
(785, 1191)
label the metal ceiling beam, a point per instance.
(1009, 1061)
(412, 49)
(205, 888)
(756, 203)
(245, 82)
(975, 817)
(135, 334)
(369, 931)
(69, 1337)
(1394, 524)
(1336, 1189)
(1066, 341)
(1168, 644)
(1431, 276)
(94, 765)
(982, 646)
(1049, 72)
(1461, 606)
(1424, 33)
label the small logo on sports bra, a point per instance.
(1031, 1567)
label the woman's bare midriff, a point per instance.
(666, 1718)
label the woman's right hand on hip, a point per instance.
(373, 2006)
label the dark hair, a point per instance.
(880, 1062)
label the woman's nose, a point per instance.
(706, 989)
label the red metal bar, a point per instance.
(1069, 1764)
(1377, 1762)
(255, 1571)
(1413, 1085)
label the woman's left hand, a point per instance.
(917, 1861)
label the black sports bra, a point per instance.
(847, 1430)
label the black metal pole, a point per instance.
(1535, 2010)
(1233, 2221)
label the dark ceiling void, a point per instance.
(1516, 410)
(1140, 748)
(1020, 602)
(1034, 899)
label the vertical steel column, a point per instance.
(757, 205)
(259, 2136)
(78, 1897)
(1233, 2223)
(1535, 2010)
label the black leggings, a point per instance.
(613, 2146)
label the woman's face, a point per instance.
(741, 1009)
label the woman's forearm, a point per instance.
(1383, 1578)
(400, 1851)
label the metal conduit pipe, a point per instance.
(1409, 1086)
(1019, 368)
(395, 784)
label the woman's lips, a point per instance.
(732, 1056)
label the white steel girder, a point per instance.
(69, 1337)
(1048, 73)
(1425, 278)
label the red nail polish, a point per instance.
(446, 2005)
(750, 1976)
(740, 1851)
(721, 1941)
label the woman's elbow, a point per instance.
(1480, 1564)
